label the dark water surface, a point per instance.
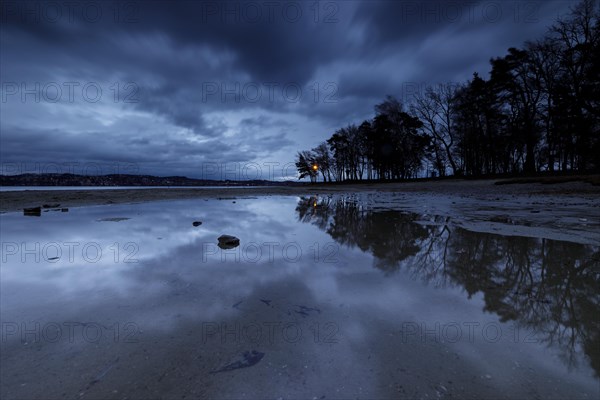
(20, 188)
(324, 298)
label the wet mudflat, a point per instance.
(324, 297)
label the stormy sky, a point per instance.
(232, 90)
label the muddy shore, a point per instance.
(567, 211)
(485, 190)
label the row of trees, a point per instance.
(538, 111)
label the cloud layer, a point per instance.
(171, 87)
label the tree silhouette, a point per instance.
(305, 160)
(539, 111)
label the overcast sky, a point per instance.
(231, 90)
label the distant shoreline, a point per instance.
(121, 182)
(59, 188)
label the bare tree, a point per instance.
(436, 109)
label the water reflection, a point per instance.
(184, 307)
(547, 286)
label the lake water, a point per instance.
(18, 188)
(326, 297)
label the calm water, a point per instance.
(324, 298)
(18, 188)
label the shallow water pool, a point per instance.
(326, 297)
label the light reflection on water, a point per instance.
(344, 301)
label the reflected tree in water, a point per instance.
(545, 286)
(388, 235)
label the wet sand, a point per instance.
(484, 190)
(355, 316)
(562, 211)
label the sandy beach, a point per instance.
(484, 190)
(561, 211)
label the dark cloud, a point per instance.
(187, 82)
